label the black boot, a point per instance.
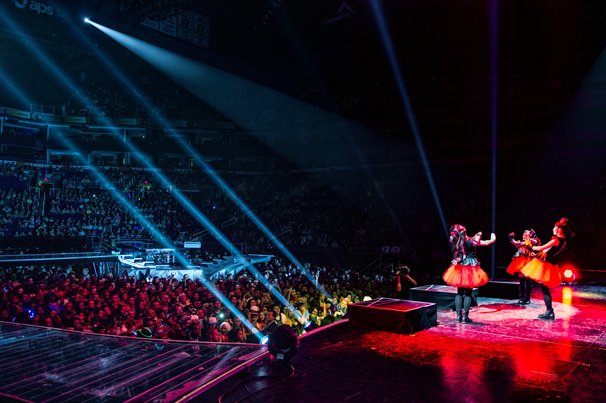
(527, 292)
(466, 306)
(547, 315)
(459, 306)
(521, 291)
(547, 298)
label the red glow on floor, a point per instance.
(567, 295)
(530, 358)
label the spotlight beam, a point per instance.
(257, 109)
(249, 213)
(401, 85)
(494, 98)
(201, 79)
(16, 91)
(202, 219)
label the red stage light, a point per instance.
(569, 273)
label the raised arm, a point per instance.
(412, 280)
(540, 248)
(515, 243)
(481, 242)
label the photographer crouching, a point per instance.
(403, 281)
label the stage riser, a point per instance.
(400, 316)
(441, 295)
(500, 289)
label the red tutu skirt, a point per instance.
(542, 272)
(465, 276)
(517, 263)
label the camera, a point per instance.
(404, 270)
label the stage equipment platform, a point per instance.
(505, 289)
(401, 316)
(212, 270)
(442, 295)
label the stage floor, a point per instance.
(506, 355)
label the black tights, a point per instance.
(464, 291)
(463, 300)
(525, 288)
(547, 297)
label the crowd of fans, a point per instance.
(72, 298)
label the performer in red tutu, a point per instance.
(465, 272)
(544, 267)
(520, 259)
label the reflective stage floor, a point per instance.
(506, 355)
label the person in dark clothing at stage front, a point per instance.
(272, 324)
(544, 267)
(403, 282)
(465, 272)
(522, 256)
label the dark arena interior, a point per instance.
(302, 200)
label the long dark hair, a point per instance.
(457, 239)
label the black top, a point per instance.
(553, 254)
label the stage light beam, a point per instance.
(201, 79)
(494, 111)
(407, 104)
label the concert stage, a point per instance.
(505, 355)
(401, 316)
(442, 295)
